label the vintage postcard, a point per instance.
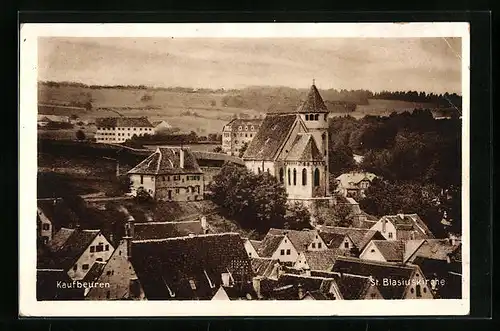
(244, 169)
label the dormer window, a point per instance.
(240, 128)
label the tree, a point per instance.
(297, 217)
(343, 215)
(256, 201)
(341, 159)
(243, 149)
(218, 149)
(80, 135)
(124, 184)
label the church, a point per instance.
(293, 146)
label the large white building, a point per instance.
(293, 146)
(115, 130)
(238, 132)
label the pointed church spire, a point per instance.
(313, 102)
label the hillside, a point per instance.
(206, 111)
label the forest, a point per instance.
(417, 159)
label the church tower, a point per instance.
(314, 114)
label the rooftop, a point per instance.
(167, 161)
(114, 122)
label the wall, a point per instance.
(372, 253)
(301, 262)
(250, 249)
(120, 134)
(299, 190)
(286, 244)
(148, 183)
(316, 241)
(183, 189)
(389, 229)
(418, 278)
(373, 294)
(89, 258)
(44, 221)
(118, 273)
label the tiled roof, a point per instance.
(69, 244)
(114, 122)
(94, 272)
(456, 255)
(391, 250)
(271, 136)
(322, 260)
(203, 155)
(236, 122)
(379, 271)
(299, 239)
(351, 179)
(255, 244)
(269, 244)
(307, 283)
(332, 239)
(409, 226)
(438, 249)
(360, 237)
(264, 267)
(166, 160)
(313, 102)
(169, 268)
(163, 230)
(353, 287)
(304, 148)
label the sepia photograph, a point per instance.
(244, 164)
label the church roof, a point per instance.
(271, 136)
(304, 148)
(166, 160)
(313, 102)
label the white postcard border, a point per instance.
(28, 306)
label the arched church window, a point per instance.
(307, 117)
(289, 178)
(294, 176)
(316, 117)
(316, 177)
(304, 177)
(281, 175)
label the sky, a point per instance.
(376, 64)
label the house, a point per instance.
(251, 246)
(317, 260)
(266, 267)
(352, 287)
(169, 174)
(437, 249)
(354, 184)
(43, 120)
(445, 279)
(354, 239)
(192, 267)
(393, 281)
(293, 147)
(55, 284)
(116, 130)
(295, 287)
(397, 251)
(161, 126)
(232, 293)
(75, 251)
(237, 133)
(285, 245)
(163, 230)
(52, 214)
(403, 227)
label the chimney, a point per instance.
(129, 231)
(181, 158)
(225, 279)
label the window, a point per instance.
(313, 245)
(304, 177)
(168, 178)
(346, 244)
(142, 179)
(75, 267)
(99, 259)
(294, 176)
(85, 266)
(246, 128)
(419, 293)
(177, 190)
(192, 284)
(46, 226)
(390, 235)
(288, 252)
(307, 117)
(316, 177)
(316, 117)
(289, 178)
(372, 250)
(92, 249)
(258, 170)
(252, 128)
(282, 252)
(412, 290)
(99, 248)
(239, 128)
(281, 175)
(325, 117)
(106, 248)
(425, 289)
(319, 245)
(384, 225)
(108, 272)
(246, 135)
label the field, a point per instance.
(203, 112)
